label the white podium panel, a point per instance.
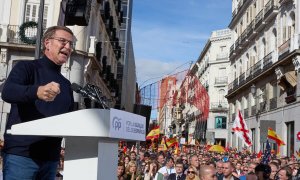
(92, 137)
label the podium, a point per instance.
(91, 139)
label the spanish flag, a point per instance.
(153, 134)
(273, 135)
(298, 153)
(171, 142)
(176, 151)
(162, 146)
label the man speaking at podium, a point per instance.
(36, 89)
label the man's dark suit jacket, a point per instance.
(173, 176)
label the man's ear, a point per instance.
(47, 44)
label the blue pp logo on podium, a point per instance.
(125, 125)
(116, 123)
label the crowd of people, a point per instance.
(196, 163)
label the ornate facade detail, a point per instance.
(296, 62)
(3, 55)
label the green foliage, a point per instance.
(22, 35)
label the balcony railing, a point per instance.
(244, 36)
(257, 68)
(284, 49)
(234, 12)
(250, 28)
(221, 80)
(262, 106)
(237, 43)
(253, 110)
(259, 18)
(13, 34)
(232, 117)
(235, 83)
(246, 113)
(269, 8)
(230, 87)
(242, 79)
(268, 61)
(218, 105)
(231, 50)
(273, 103)
(249, 73)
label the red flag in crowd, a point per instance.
(259, 154)
(125, 149)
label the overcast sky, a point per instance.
(170, 34)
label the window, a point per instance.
(222, 48)
(290, 138)
(220, 122)
(32, 13)
(222, 96)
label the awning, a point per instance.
(288, 79)
(291, 77)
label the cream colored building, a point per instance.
(264, 57)
(103, 55)
(213, 66)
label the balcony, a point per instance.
(246, 113)
(234, 13)
(249, 73)
(235, 83)
(12, 35)
(284, 49)
(262, 106)
(221, 80)
(230, 87)
(253, 110)
(267, 61)
(231, 52)
(218, 106)
(257, 68)
(273, 103)
(242, 79)
(250, 33)
(244, 37)
(270, 11)
(232, 117)
(259, 21)
(237, 44)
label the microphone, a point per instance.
(78, 89)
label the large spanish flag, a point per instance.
(171, 142)
(273, 135)
(153, 134)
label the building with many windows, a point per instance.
(103, 54)
(264, 59)
(212, 68)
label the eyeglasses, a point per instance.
(191, 172)
(64, 41)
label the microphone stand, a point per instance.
(97, 93)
